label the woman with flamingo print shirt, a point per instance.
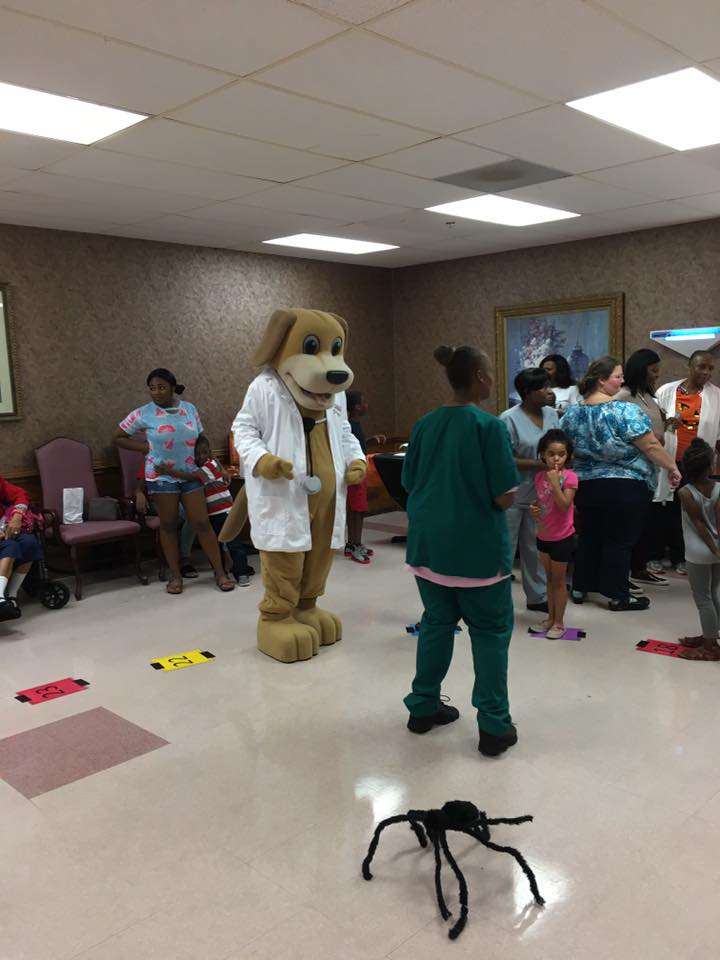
(171, 428)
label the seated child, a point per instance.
(553, 512)
(218, 501)
(700, 502)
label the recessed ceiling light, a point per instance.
(59, 118)
(504, 210)
(313, 241)
(680, 110)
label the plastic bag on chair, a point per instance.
(73, 498)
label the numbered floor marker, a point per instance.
(661, 648)
(180, 660)
(572, 633)
(51, 691)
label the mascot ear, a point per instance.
(343, 324)
(275, 332)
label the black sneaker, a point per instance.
(577, 596)
(538, 607)
(445, 714)
(650, 579)
(635, 589)
(9, 609)
(631, 603)
(492, 746)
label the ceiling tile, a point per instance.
(713, 65)
(366, 73)
(385, 186)
(706, 202)
(168, 140)
(48, 221)
(58, 207)
(276, 223)
(31, 153)
(653, 215)
(438, 158)
(316, 204)
(94, 191)
(664, 177)
(354, 11)
(10, 173)
(109, 167)
(238, 36)
(692, 26)
(579, 195)
(56, 59)
(558, 49)
(263, 113)
(414, 228)
(177, 229)
(560, 137)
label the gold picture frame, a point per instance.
(579, 328)
(9, 383)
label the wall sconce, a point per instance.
(688, 339)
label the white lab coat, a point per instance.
(708, 427)
(270, 422)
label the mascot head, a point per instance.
(306, 348)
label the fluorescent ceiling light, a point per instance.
(680, 110)
(696, 333)
(313, 241)
(59, 118)
(504, 210)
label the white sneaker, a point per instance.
(656, 567)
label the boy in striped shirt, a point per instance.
(218, 500)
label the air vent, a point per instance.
(506, 175)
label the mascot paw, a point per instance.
(288, 640)
(274, 468)
(355, 473)
(328, 626)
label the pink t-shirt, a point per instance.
(554, 524)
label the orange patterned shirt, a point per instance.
(687, 406)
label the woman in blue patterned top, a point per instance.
(616, 458)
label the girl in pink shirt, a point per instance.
(553, 511)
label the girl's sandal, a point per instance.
(174, 586)
(224, 583)
(701, 653)
(691, 641)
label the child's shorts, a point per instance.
(559, 551)
(357, 497)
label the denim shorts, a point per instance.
(172, 486)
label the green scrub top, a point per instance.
(458, 460)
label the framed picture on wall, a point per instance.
(9, 390)
(579, 329)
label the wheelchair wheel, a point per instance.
(54, 595)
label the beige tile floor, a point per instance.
(243, 837)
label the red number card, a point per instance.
(661, 648)
(51, 691)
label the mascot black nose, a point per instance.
(337, 376)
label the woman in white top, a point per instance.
(561, 381)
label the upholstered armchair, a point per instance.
(131, 462)
(64, 463)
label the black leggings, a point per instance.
(611, 515)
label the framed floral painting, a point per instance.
(579, 329)
(9, 390)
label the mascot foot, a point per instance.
(287, 640)
(327, 625)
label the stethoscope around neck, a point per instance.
(310, 483)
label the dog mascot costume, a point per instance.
(297, 454)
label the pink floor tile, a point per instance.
(59, 753)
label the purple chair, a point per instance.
(64, 463)
(131, 462)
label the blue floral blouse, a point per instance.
(603, 435)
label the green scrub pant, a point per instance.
(488, 613)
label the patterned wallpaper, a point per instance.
(670, 277)
(94, 314)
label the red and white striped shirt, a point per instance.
(218, 498)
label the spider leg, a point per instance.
(438, 882)
(511, 820)
(417, 829)
(523, 864)
(459, 926)
(376, 839)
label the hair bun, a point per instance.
(444, 355)
(179, 388)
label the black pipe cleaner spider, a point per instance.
(463, 817)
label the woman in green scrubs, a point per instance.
(460, 476)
